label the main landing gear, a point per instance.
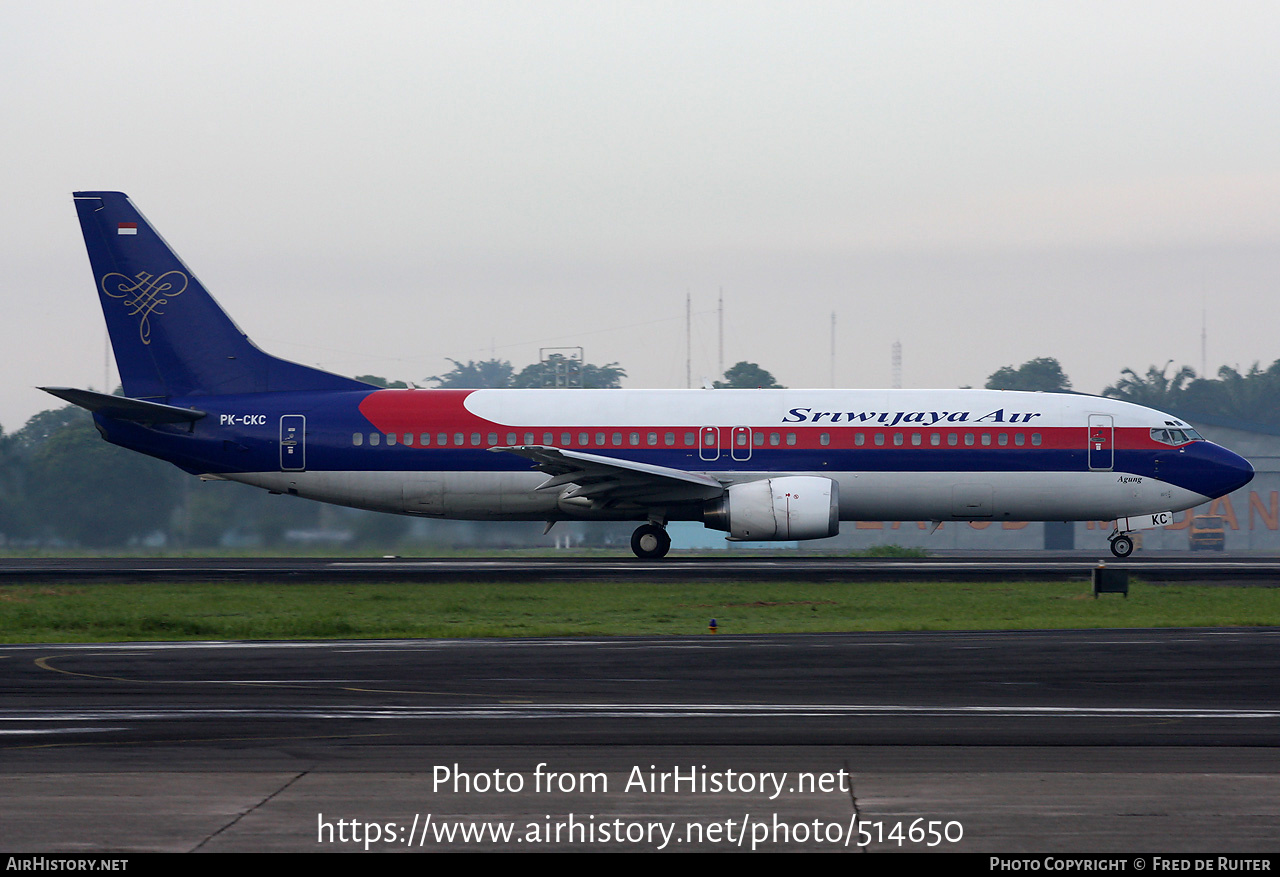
(1121, 544)
(650, 541)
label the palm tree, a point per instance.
(475, 375)
(1250, 396)
(1156, 390)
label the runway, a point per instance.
(1008, 688)
(1151, 740)
(1021, 566)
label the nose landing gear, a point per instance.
(1121, 544)
(650, 541)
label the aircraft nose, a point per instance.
(1208, 469)
(1235, 470)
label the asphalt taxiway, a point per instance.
(1128, 741)
(1021, 566)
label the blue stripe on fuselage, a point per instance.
(214, 446)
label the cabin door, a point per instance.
(1101, 443)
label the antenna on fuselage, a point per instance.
(833, 350)
(688, 340)
(1204, 343)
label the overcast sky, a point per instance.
(374, 187)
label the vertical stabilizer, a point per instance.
(169, 335)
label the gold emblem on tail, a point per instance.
(145, 295)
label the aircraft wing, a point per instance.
(606, 479)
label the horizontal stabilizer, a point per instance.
(124, 408)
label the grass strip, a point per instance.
(221, 611)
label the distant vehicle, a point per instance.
(771, 465)
(1208, 533)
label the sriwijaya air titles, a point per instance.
(893, 418)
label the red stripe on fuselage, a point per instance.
(433, 411)
(412, 410)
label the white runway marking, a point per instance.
(623, 710)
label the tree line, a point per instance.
(1251, 397)
(62, 486)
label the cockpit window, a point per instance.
(1174, 435)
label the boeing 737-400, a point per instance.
(757, 464)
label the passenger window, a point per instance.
(775, 439)
(583, 439)
(986, 438)
(391, 439)
(566, 439)
(651, 439)
(493, 439)
(669, 439)
(617, 439)
(475, 439)
(1035, 439)
(935, 439)
(425, 438)
(825, 438)
(458, 439)
(897, 439)
(1019, 439)
(859, 439)
(953, 439)
(1002, 440)
(633, 439)
(757, 439)
(600, 439)
(375, 439)
(791, 438)
(968, 439)
(879, 438)
(915, 439)
(357, 439)
(689, 440)
(709, 438)
(408, 438)
(512, 438)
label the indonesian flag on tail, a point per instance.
(127, 228)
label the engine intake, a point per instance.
(777, 509)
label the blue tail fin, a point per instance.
(170, 337)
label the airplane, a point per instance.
(760, 465)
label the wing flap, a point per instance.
(604, 478)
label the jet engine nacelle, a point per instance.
(776, 509)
